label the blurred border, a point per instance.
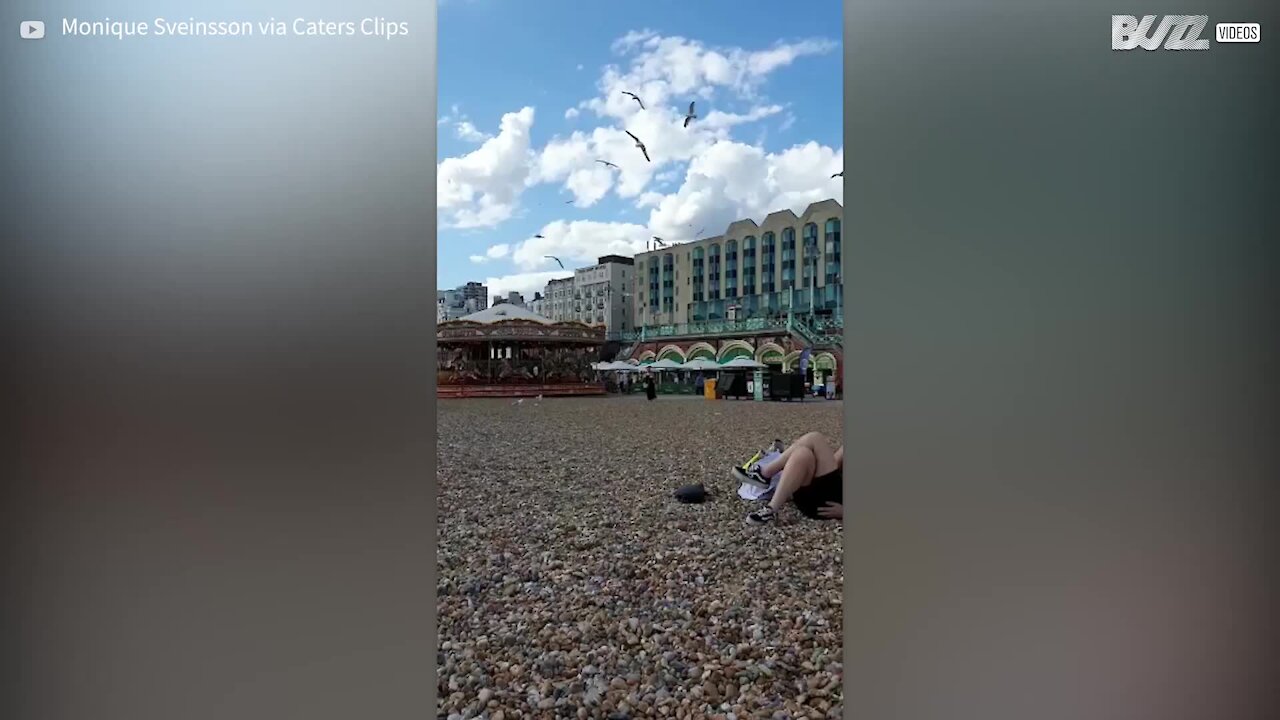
(1061, 400)
(218, 494)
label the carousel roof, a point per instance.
(507, 322)
(504, 313)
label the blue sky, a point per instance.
(531, 97)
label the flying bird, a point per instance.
(635, 97)
(690, 116)
(700, 231)
(606, 163)
(660, 241)
(640, 145)
(839, 174)
(568, 202)
(553, 257)
(540, 237)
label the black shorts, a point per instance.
(823, 489)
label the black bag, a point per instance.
(691, 493)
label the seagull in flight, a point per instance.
(553, 257)
(839, 174)
(540, 237)
(690, 116)
(606, 163)
(660, 241)
(640, 145)
(568, 202)
(635, 97)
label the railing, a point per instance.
(818, 333)
(814, 331)
(704, 329)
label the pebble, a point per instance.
(570, 580)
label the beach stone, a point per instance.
(600, 594)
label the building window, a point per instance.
(788, 258)
(653, 284)
(832, 241)
(668, 283)
(713, 272)
(731, 268)
(748, 266)
(811, 254)
(698, 262)
(768, 260)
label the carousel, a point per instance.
(509, 351)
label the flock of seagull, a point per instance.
(689, 117)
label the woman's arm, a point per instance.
(840, 458)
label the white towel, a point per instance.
(753, 492)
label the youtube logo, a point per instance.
(31, 29)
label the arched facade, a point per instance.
(770, 353)
(671, 352)
(700, 349)
(734, 349)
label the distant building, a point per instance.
(599, 295)
(605, 290)
(515, 298)
(536, 304)
(786, 263)
(558, 303)
(462, 300)
(477, 293)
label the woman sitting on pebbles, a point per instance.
(811, 476)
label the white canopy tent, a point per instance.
(741, 363)
(664, 364)
(701, 364)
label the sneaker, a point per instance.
(763, 516)
(750, 475)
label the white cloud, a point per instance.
(675, 69)
(579, 242)
(650, 199)
(482, 188)
(732, 180)
(466, 131)
(524, 283)
(479, 259)
(666, 72)
(580, 66)
(723, 120)
(463, 128)
(452, 116)
(715, 178)
(631, 40)
(787, 122)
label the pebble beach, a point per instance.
(573, 585)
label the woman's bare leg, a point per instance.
(799, 472)
(815, 443)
